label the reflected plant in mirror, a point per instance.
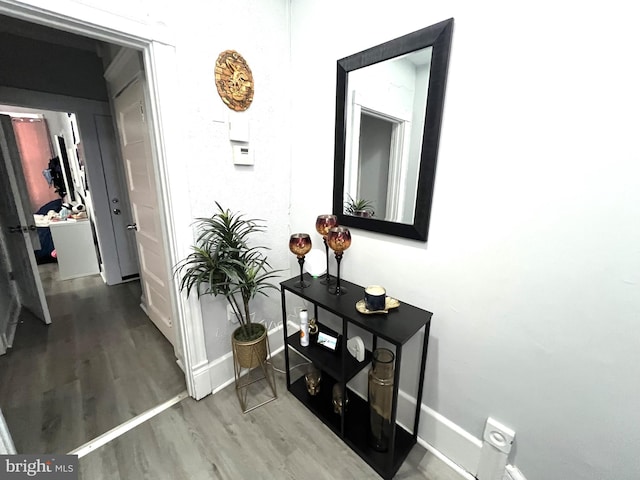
(360, 208)
(389, 103)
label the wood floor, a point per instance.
(212, 439)
(100, 363)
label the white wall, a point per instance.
(60, 125)
(532, 262)
(258, 30)
(532, 267)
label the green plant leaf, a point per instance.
(223, 263)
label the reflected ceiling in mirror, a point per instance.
(388, 116)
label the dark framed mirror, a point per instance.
(389, 102)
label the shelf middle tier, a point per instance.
(327, 360)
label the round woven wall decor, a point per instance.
(234, 80)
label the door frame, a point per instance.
(160, 65)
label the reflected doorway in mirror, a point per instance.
(385, 121)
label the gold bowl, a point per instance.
(390, 303)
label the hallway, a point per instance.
(100, 363)
(213, 439)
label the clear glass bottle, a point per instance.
(381, 398)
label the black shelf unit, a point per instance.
(397, 327)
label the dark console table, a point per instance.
(352, 424)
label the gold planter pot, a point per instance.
(251, 353)
(251, 366)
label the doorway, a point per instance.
(56, 179)
(157, 45)
(91, 392)
(376, 156)
(99, 363)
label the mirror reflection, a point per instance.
(386, 105)
(389, 105)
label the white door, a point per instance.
(118, 200)
(22, 236)
(135, 143)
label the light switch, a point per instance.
(239, 129)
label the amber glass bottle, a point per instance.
(380, 398)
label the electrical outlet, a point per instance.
(497, 443)
(498, 435)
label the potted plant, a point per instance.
(358, 208)
(223, 263)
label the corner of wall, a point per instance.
(450, 442)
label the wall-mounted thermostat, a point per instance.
(242, 154)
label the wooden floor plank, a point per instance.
(100, 363)
(213, 439)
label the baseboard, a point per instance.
(201, 380)
(441, 436)
(14, 316)
(4, 344)
(143, 306)
(446, 460)
(221, 372)
(451, 443)
(6, 442)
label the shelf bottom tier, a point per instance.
(356, 432)
(321, 405)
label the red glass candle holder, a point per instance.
(339, 239)
(324, 223)
(300, 245)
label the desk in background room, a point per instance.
(74, 248)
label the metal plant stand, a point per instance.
(245, 377)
